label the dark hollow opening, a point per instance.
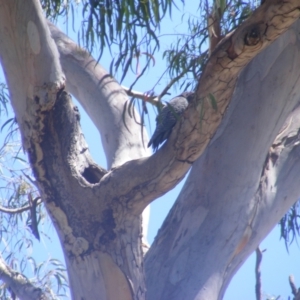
(91, 175)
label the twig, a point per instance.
(168, 86)
(19, 209)
(146, 98)
(258, 274)
(295, 291)
(214, 28)
(30, 179)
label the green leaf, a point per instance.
(19, 158)
(213, 101)
(7, 122)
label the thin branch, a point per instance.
(258, 274)
(19, 209)
(168, 86)
(295, 291)
(143, 96)
(30, 179)
(214, 28)
(293, 285)
(19, 284)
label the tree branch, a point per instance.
(190, 137)
(258, 274)
(146, 98)
(19, 209)
(217, 210)
(295, 291)
(162, 171)
(214, 26)
(39, 51)
(103, 99)
(19, 284)
(293, 285)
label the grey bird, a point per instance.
(168, 117)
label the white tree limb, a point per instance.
(37, 75)
(103, 99)
(19, 284)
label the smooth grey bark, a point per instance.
(239, 188)
(103, 99)
(35, 66)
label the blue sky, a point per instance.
(277, 263)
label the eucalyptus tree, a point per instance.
(238, 137)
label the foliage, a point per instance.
(131, 29)
(127, 25)
(289, 225)
(186, 57)
(4, 99)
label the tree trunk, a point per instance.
(97, 213)
(239, 188)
